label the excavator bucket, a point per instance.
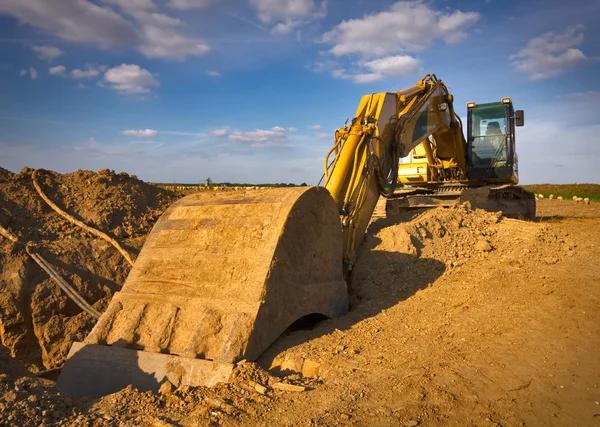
(220, 277)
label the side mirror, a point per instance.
(519, 117)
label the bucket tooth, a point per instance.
(222, 275)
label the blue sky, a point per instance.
(252, 90)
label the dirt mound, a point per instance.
(37, 321)
(404, 255)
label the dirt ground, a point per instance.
(458, 317)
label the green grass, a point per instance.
(567, 191)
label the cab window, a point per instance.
(489, 132)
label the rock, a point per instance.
(310, 368)
(166, 388)
(412, 423)
(483, 246)
(120, 232)
(289, 387)
(215, 402)
(56, 414)
(261, 389)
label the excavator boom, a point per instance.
(365, 155)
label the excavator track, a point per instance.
(220, 277)
(513, 201)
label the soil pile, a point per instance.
(415, 249)
(405, 254)
(38, 322)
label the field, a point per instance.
(567, 191)
(458, 317)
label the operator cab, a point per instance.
(491, 141)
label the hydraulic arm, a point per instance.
(363, 162)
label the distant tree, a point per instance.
(304, 184)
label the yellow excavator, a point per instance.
(483, 169)
(223, 274)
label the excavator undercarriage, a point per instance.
(513, 201)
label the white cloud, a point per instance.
(259, 138)
(59, 70)
(408, 26)
(160, 42)
(367, 77)
(213, 73)
(160, 34)
(399, 65)
(88, 73)
(158, 19)
(155, 34)
(190, 4)
(357, 78)
(292, 129)
(129, 78)
(31, 71)
(219, 132)
(259, 135)
(133, 5)
(47, 53)
(144, 12)
(323, 136)
(314, 127)
(141, 133)
(550, 54)
(590, 95)
(288, 14)
(79, 21)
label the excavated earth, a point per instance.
(38, 322)
(458, 317)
